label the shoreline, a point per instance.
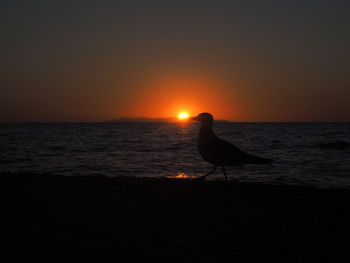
(174, 220)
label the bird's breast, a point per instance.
(207, 147)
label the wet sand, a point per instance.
(99, 219)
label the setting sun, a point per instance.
(183, 116)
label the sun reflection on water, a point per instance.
(181, 176)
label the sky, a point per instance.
(66, 61)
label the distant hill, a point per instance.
(145, 119)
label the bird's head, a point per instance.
(206, 119)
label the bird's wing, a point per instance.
(233, 155)
(227, 147)
(229, 153)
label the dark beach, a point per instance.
(100, 219)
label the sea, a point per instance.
(312, 154)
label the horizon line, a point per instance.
(180, 121)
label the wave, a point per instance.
(56, 148)
(337, 145)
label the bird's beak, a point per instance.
(194, 118)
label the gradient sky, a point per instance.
(240, 60)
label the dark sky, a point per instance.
(241, 60)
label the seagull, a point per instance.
(218, 151)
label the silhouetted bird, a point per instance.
(220, 152)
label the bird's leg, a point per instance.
(211, 172)
(223, 169)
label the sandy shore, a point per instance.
(98, 219)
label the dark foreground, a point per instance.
(98, 219)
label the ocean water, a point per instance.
(316, 154)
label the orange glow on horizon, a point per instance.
(168, 96)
